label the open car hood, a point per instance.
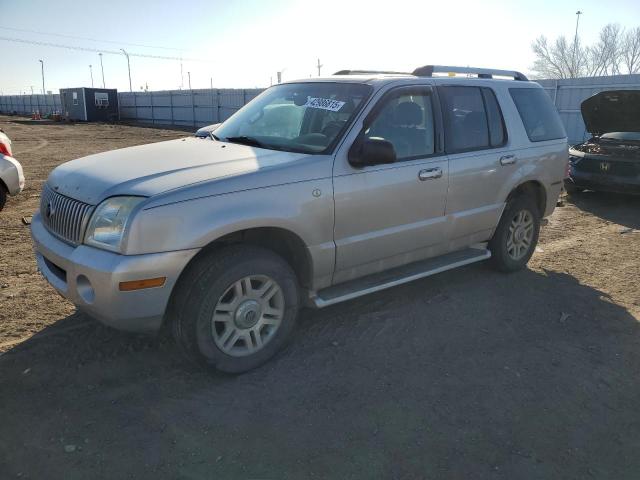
(612, 111)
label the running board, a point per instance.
(397, 276)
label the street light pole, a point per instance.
(128, 67)
(91, 73)
(575, 43)
(102, 68)
(44, 92)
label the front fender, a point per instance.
(303, 208)
(11, 174)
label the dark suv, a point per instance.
(610, 159)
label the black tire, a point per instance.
(501, 259)
(203, 285)
(3, 196)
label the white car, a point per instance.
(11, 175)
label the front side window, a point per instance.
(406, 120)
(302, 117)
(538, 114)
(465, 119)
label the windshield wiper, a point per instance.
(244, 140)
(214, 136)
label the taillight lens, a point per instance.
(4, 149)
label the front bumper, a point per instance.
(90, 278)
(604, 182)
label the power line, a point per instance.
(24, 30)
(96, 50)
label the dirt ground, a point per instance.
(468, 374)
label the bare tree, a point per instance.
(604, 57)
(615, 51)
(631, 51)
(560, 60)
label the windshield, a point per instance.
(297, 117)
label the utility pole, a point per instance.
(91, 73)
(319, 67)
(102, 68)
(44, 92)
(31, 89)
(575, 44)
(193, 106)
(279, 76)
(181, 74)
(128, 68)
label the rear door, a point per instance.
(481, 161)
(389, 215)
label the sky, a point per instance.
(242, 44)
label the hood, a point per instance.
(612, 111)
(151, 169)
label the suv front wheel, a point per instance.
(516, 236)
(235, 308)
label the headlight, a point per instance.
(107, 224)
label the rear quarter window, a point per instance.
(538, 114)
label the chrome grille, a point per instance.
(64, 216)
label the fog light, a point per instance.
(85, 290)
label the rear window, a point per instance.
(538, 114)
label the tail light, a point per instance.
(567, 170)
(5, 150)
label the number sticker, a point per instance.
(324, 104)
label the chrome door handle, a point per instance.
(507, 160)
(429, 174)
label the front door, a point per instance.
(390, 215)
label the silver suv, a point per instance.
(316, 192)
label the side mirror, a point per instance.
(372, 151)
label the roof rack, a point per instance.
(429, 70)
(367, 72)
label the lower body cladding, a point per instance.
(603, 182)
(91, 278)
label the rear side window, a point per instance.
(465, 119)
(497, 132)
(538, 114)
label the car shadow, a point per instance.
(615, 207)
(468, 374)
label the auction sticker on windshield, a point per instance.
(324, 104)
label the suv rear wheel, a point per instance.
(235, 308)
(516, 236)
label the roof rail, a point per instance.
(365, 72)
(429, 70)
